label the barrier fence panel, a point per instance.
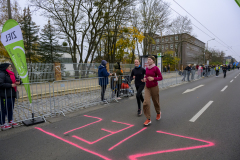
(60, 97)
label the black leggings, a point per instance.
(139, 95)
(103, 91)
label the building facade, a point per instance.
(189, 49)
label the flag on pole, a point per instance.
(12, 40)
(238, 2)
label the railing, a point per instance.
(60, 97)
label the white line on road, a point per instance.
(231, 81)
(224, 88)
(191, 90)
(194, 118)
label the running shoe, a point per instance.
(13, 124)
(139, 112)
(147, 122)
(158, 116)
(5, 127)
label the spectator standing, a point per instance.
(103, 78)
(193, 72)
(204, 70)
(165, 69)
(8, 93)
(118, 74)
(217, 68)
(188, 69)
(199, 71)
(168, 68)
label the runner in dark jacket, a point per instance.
(224, 68)
(138, 74)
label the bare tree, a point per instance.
(82, 23)
(154, 15)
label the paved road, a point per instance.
(202, 124)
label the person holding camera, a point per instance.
(8, 92)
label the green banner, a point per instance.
(238, 2)
(12, 40)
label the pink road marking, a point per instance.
(111, 133)
(126, 139)
(73, 144)
(209, 144)
(100, 119)
(107, 131)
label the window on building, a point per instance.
(162, 40)
(166, 39)
(166, 46)
(176, 46)
(162, 47)
(171, 46)
(176, 38)
(157, 48)
(171, 39)
(153, 47)
(157, 40)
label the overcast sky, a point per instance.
(221, 17)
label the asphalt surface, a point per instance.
(114, 131)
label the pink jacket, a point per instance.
(156, 74)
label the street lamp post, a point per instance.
(207, 48)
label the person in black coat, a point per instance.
(168, 68)
(188, 71)
(103, 78)
(138, 74)
(8, 90)
(165, 69)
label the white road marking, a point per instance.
(194, 118)
(224, 88)
(231, 81)
(190, 90)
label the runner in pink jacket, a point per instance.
(153, 75)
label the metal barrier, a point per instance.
(60, 97)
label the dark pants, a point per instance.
(139, 95)
(7, 106)
(184, 75)
(224, 72)
(188, 75)
(117, 91)
(103, 89)
(217, 72)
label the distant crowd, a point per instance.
(204, 71)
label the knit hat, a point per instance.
(104, 62)
(152, 57)
(4, 66)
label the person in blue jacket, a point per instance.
(103, 78)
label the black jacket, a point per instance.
(139, 75)
(188, 68)
(6, 85)
(224, 68)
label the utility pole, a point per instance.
(9, 9)
(10, 17)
